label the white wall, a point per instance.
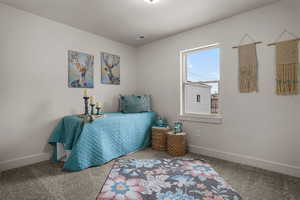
(260, 129)
(33, 83)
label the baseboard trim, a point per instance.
(233, 157)
(23, 161)
(248, 160)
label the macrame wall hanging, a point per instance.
(287, 61)
(248, 65)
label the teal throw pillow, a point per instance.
(135, 104)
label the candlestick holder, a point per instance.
(86, 105)
(98, 110)
(92, 108)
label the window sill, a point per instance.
(202, 118)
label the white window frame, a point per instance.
(195, 117)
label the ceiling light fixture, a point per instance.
(152, 1)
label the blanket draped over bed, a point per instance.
(104, 139)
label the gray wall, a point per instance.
(33, 83)
(260, 129)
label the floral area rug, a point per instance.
(166, 179)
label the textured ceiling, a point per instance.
(124, 20)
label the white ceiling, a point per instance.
(123, 20)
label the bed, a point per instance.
(82, 145)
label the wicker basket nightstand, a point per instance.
(176, 144)
(159, 138)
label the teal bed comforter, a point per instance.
(104, 139)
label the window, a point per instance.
(200, 83)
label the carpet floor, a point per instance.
(47, 181)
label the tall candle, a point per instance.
(85, 93)
(92, 100)
(98, 105)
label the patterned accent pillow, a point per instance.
(135, 104)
